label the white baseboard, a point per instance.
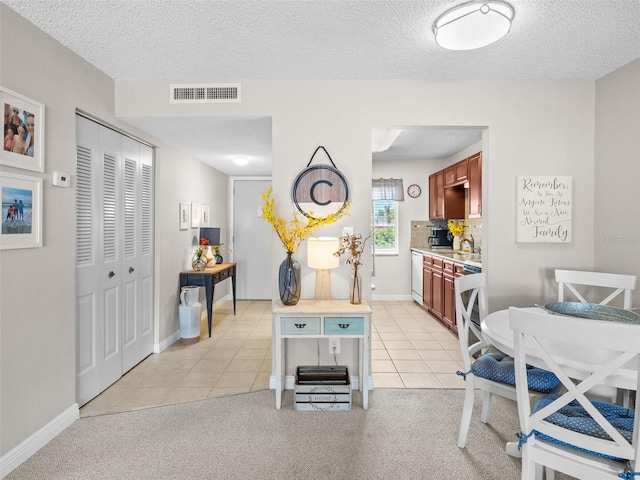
(391, 298)
(18, 455)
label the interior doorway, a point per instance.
(251, 238)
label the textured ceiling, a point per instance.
(235, 40)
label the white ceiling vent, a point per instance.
(204, 93)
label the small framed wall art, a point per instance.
(184, 216)
(204, 221)
(195, 215)
(22, 131)
(21, 211)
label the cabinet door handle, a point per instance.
(111, 274)
(344, 325)
(300, 325)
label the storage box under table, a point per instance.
(322, 388)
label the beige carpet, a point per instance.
(405, 434)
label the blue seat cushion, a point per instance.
(499, 367)
(575, 418)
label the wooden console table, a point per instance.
(208, 278)
(322, 319)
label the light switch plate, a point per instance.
(61, 179)
(347, 231)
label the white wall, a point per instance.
(182, 179)
(617, 172)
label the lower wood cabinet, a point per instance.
(439, 289)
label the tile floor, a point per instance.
(410, 349)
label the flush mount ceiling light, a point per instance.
(473, 25)
(241, 160)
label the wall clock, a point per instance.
(414, 191)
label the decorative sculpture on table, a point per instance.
(291, 234)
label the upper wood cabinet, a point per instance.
(475, 185)
(456, 173)
(447, 190)
(436, 196)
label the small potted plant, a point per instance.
(354, 245)
(456, 227)
(199, 261)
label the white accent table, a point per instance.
(322, 319)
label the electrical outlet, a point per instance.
(334, 346)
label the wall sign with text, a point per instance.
(543, 209)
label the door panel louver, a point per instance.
(109, 221)
(205, 93)
(129, 208)
(84, 189)
(146, 230)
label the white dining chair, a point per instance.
(569, 432)
(581, 283)
(493, 371)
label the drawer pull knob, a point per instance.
(344, 325)
(300, 325)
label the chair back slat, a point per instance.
(621, 284)
(470, 289)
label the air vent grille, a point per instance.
(205, 93)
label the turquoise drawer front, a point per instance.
(344, 326)
(300, 326)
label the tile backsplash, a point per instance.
(421, 230)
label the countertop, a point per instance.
(474, 259)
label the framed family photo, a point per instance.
(22, 131)
(184, 216)
(21, 211)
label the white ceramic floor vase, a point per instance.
(189, 311)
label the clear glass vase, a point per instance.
(289, 280)
(199, 263)
(355, 288)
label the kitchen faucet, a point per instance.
(471, 242)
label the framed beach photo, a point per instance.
(22, 131)
(21, 211)
(184, 216)
(195, 215)
(204, 220)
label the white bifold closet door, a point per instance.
(114, 256)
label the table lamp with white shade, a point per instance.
(320, 255)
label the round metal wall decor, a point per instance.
(320, 190)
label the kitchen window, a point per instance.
(385, 227)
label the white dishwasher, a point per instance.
(416, 276)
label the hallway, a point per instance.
(410, 349)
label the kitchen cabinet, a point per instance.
(451, 271)
(436, 196)
(475, 185)
(427, 282)
(447, 190)
(439, 288)
(456, 174)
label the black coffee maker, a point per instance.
(440, 238)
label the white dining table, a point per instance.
(497, 331)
